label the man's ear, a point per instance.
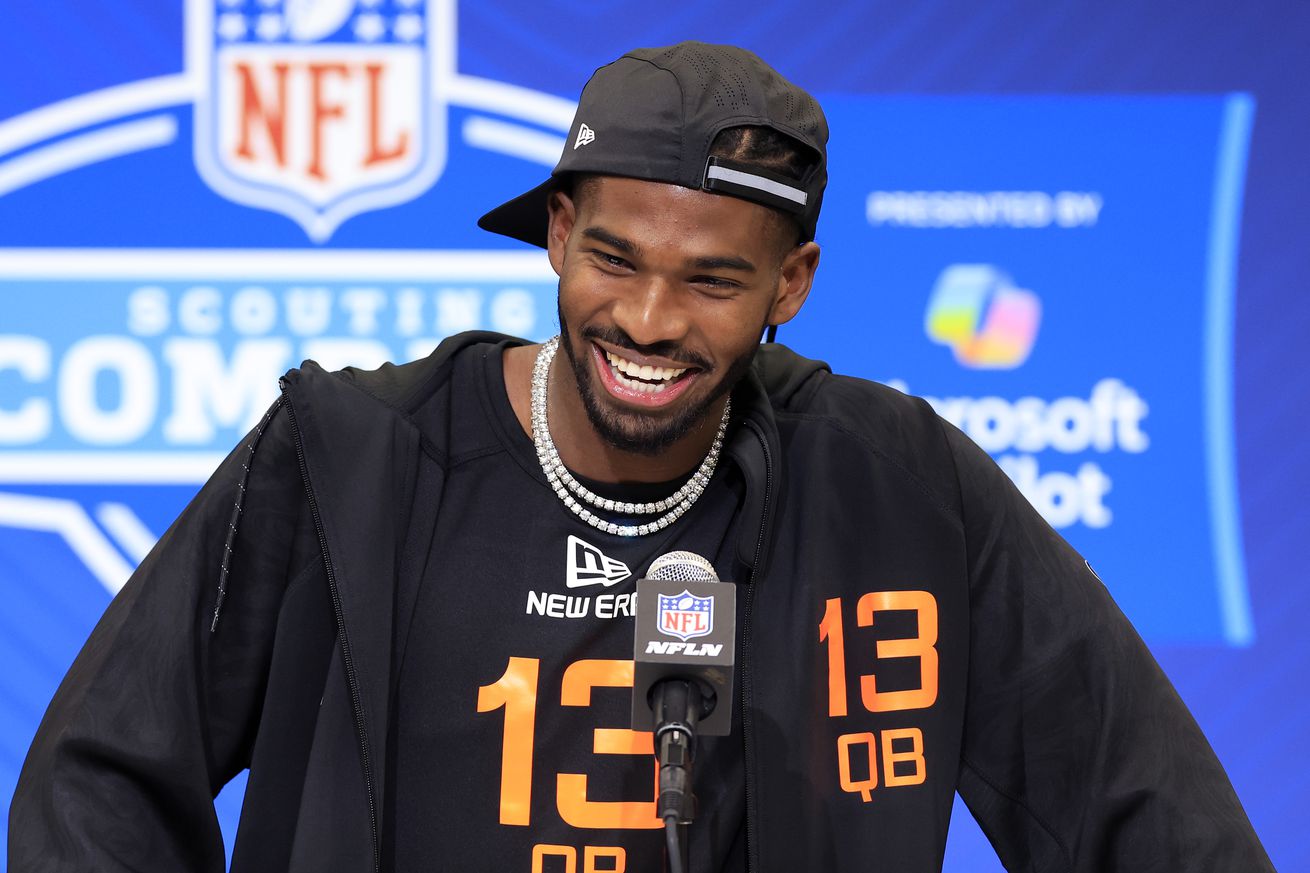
(562, 212)
(795, 276)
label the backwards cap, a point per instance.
(653, 114)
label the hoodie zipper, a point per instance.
(748, 743)
(352, 680)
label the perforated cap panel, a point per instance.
(682, 567)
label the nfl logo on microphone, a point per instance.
(320, 109)
(685, 615)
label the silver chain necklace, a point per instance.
(570, 490)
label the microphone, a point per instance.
(683, 653)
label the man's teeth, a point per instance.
(652, 379)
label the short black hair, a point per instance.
(759, 146)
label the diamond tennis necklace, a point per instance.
(570, 490)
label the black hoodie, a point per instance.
(912, 628)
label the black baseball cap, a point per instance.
(653, 114)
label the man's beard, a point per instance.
(632, 431)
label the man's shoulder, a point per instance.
(891, 427)
(398, 405)
(806, 388)
(408, 387)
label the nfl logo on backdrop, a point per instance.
(685, 615)
(320, 109)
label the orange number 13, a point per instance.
(516, 693)
(922, 647)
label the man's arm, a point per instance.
(158, 712)
(1078, 754)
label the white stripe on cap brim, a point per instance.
(777, 189)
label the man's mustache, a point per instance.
(616, 336)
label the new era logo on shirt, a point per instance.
(588, 565)
(585, 135)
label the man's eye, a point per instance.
(611, 260)
(715, 284)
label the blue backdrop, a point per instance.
(1076, 228)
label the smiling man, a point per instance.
(665, 292)
(405, 602)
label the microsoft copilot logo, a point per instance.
(987, 321)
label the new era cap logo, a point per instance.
(585, 135)
(588, 565)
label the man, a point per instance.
(366, 605)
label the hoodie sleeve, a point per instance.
(158, 711)
(1078, 753)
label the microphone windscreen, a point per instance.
(682, 567)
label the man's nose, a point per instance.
(654, 313)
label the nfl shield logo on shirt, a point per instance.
(320, 109)
(685, 615)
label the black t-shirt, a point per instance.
(512, 748)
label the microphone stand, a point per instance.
(677, 706)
